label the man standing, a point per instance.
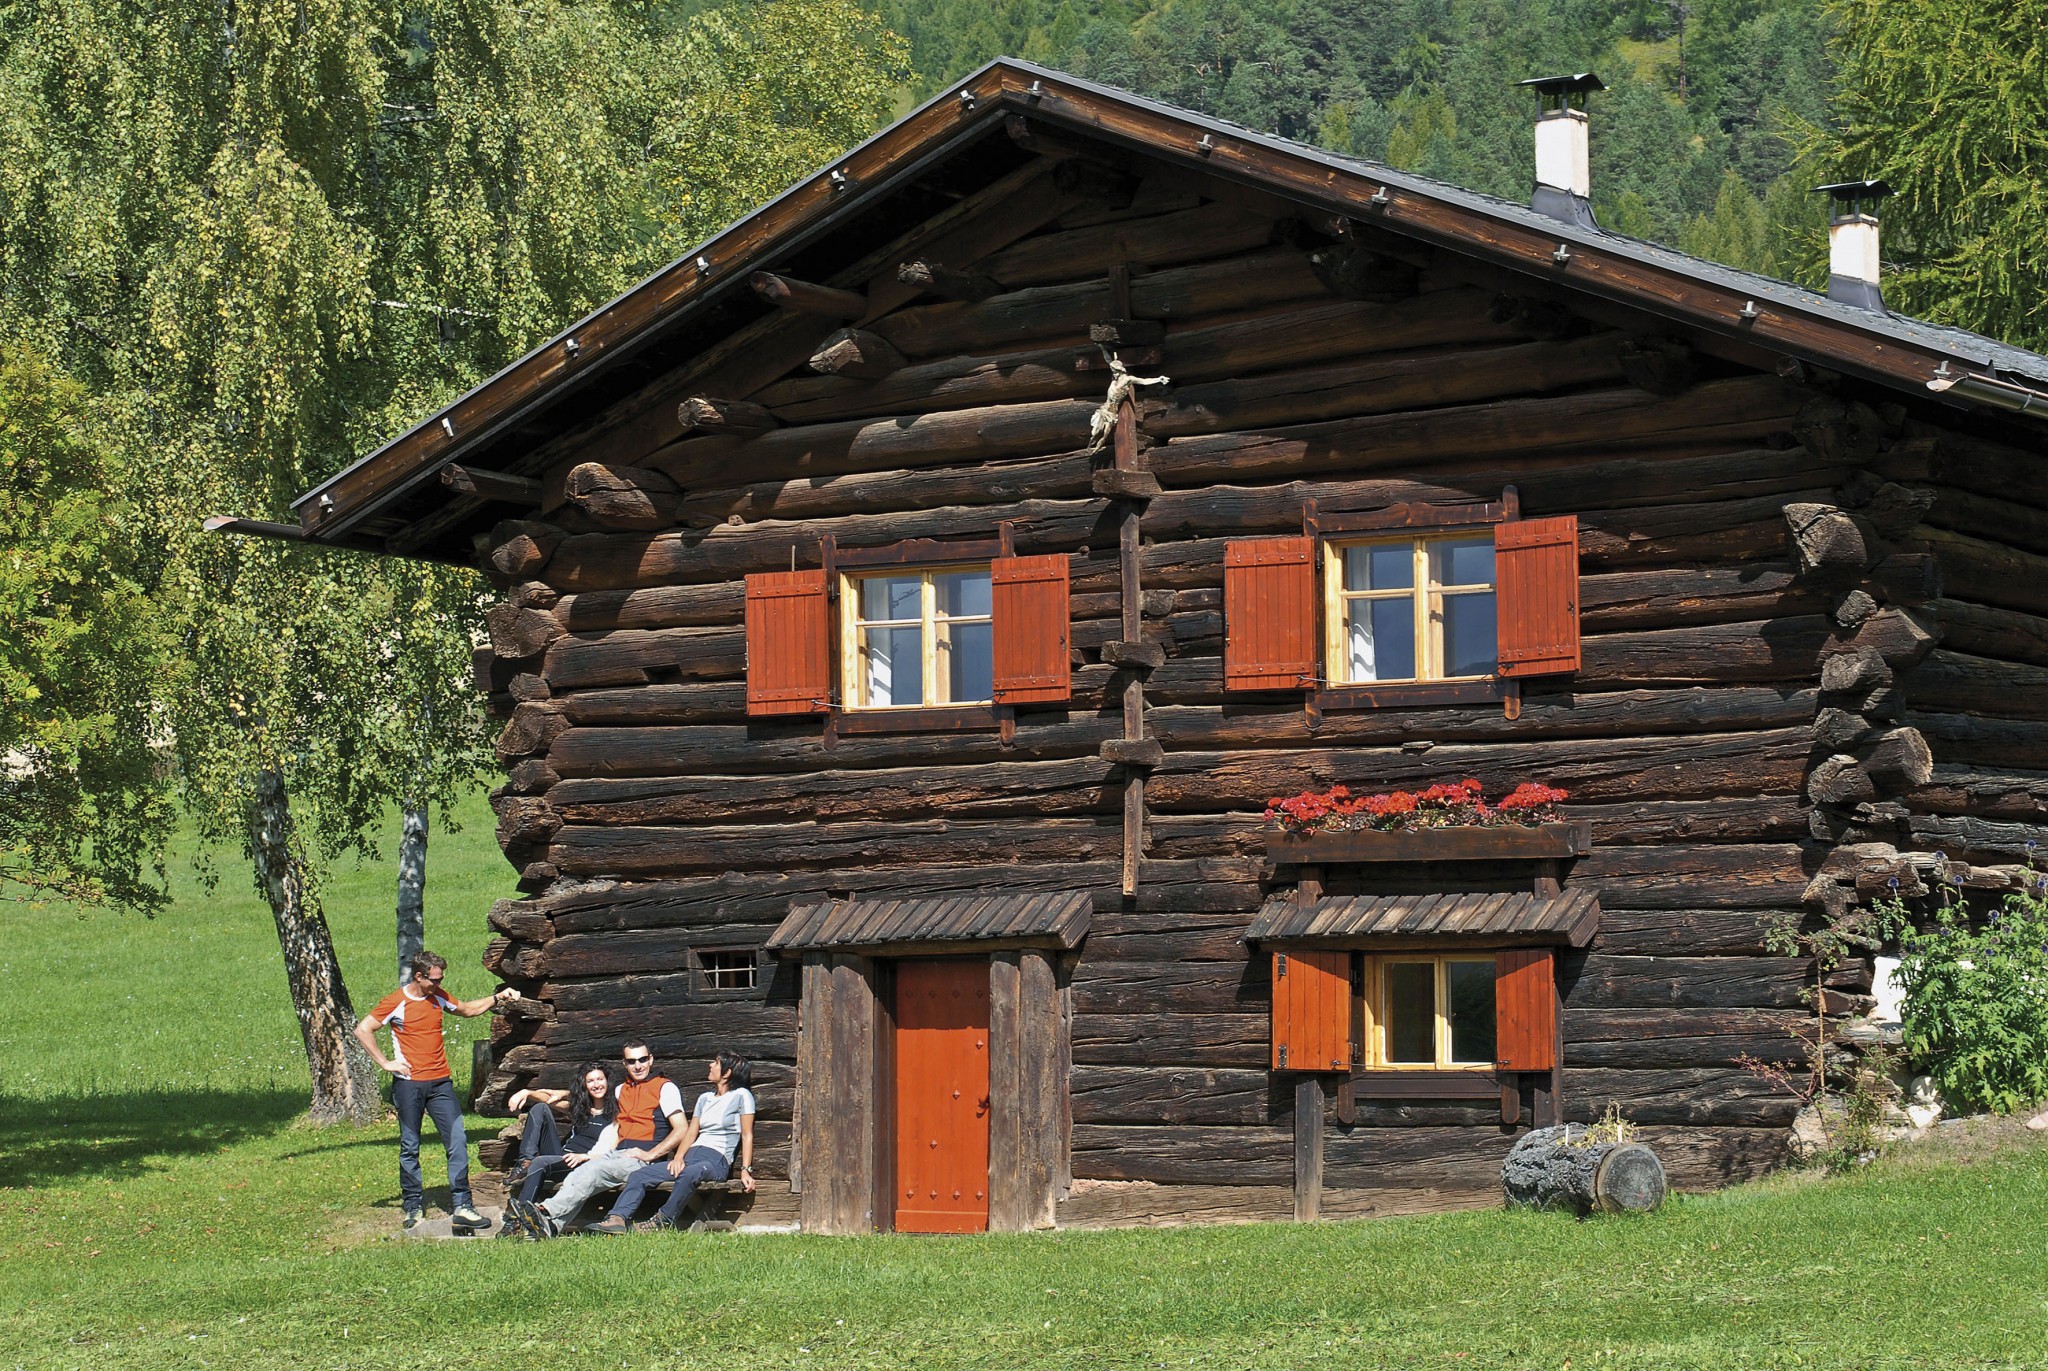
(650, 1124)
(420, 1082)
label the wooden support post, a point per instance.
(1545, 1113)
(1548, 884)
(836, 1081)
(802, 297)
(1131, 552)
(1308, 1147)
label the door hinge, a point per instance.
(1283, 1056)
(1280, 965)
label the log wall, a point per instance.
(1762, 590)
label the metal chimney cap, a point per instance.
(1852, 193)
(1558, 90)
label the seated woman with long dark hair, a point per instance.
(545, 1156)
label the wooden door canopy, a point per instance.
(1053, 919)
(1387, 922)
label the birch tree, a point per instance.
(265, 236)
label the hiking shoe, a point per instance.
(612, 1226)
(414, 1218)
(467, 1217)
(532, 1218)
(660, 1223)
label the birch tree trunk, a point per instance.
(412, 887)
(344, 1078)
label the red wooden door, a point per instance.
(942, 1096)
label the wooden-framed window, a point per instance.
(1410, 609)
(915, 638)
(929, 635)
(1417, 604)
(728, 968)
(1426, 1012)
(1414, 1012)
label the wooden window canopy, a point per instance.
(1394, 922)
(1537, 842)
(896, 927)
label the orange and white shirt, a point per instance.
(415, 1024)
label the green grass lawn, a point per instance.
(161, 1206)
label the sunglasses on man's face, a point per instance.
(638, 1061)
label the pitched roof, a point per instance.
(695, 311)
(1484, 917)
(1056, 918)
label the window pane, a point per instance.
(1411, 1011)
(1379, 566)
(1471, 1011)
(1469, 642)
(891, 597)
(967, 663)
(1381, 639)
(895, 665)
(1463, 563)
(962, 593)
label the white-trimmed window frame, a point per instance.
(853, 652)
(1426, 593)
(1375, 1054)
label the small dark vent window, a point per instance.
(731, 970)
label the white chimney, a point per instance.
(1564, 160)
(1564, 155)
(1853, 270)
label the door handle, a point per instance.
(981, 1108)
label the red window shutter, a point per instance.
(1311, 1011)
(1536, 584)
(1028, 603)
(1525, 1009)
(1269, 614)
(789, 643)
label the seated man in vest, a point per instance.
(649, 1122)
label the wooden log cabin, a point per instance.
(913, 598)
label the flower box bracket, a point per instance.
(1455, 843)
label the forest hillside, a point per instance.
(1692, 144)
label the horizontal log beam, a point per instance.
(933, 278)
(806, 297)
(492, 485)
(704, 414)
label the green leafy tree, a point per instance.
(84, 808)
(268, 240)
(1949, 103)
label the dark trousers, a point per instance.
(699, 1164)
(434, 1100)
(540, 1147)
